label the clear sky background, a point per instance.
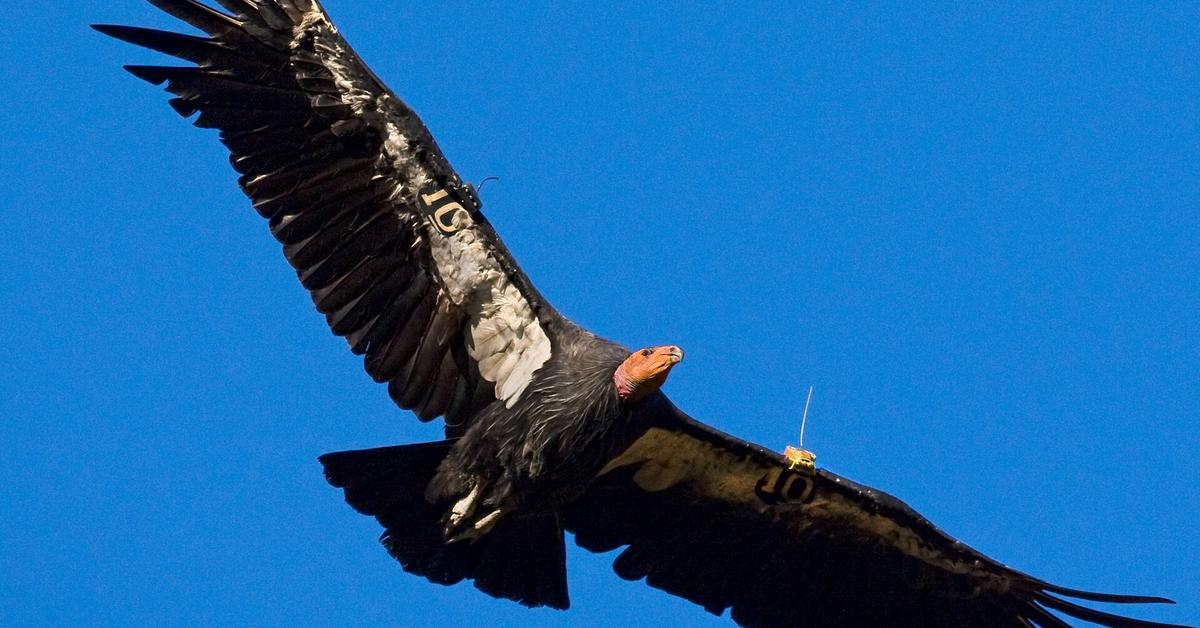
(976, 232)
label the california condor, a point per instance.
(549, 428)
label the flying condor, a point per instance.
(549, 427)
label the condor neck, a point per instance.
(628, 390)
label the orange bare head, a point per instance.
(644, 371)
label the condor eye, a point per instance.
(646, 353)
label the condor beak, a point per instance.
(676, 354)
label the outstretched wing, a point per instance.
(378, 226)
(726, 524)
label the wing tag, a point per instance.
(802, 458)
(799, 456)
(449, 209)
(787, 487)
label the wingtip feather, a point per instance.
(1114, 598)
(149, 73)
(1097, 616)
(174, 44)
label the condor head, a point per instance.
(644, 371)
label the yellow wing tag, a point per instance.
(798, 456)
(802, 458)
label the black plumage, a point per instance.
(549, 428)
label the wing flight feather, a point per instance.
(728, 525)
(336, 163)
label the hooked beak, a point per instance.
(676, 354)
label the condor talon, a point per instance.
(463, 508)
(485, 524)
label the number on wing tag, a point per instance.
(785, 486)
(448, 209)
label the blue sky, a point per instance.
(973, 230)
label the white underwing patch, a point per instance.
(504, 336)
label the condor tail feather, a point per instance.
(523, 558)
